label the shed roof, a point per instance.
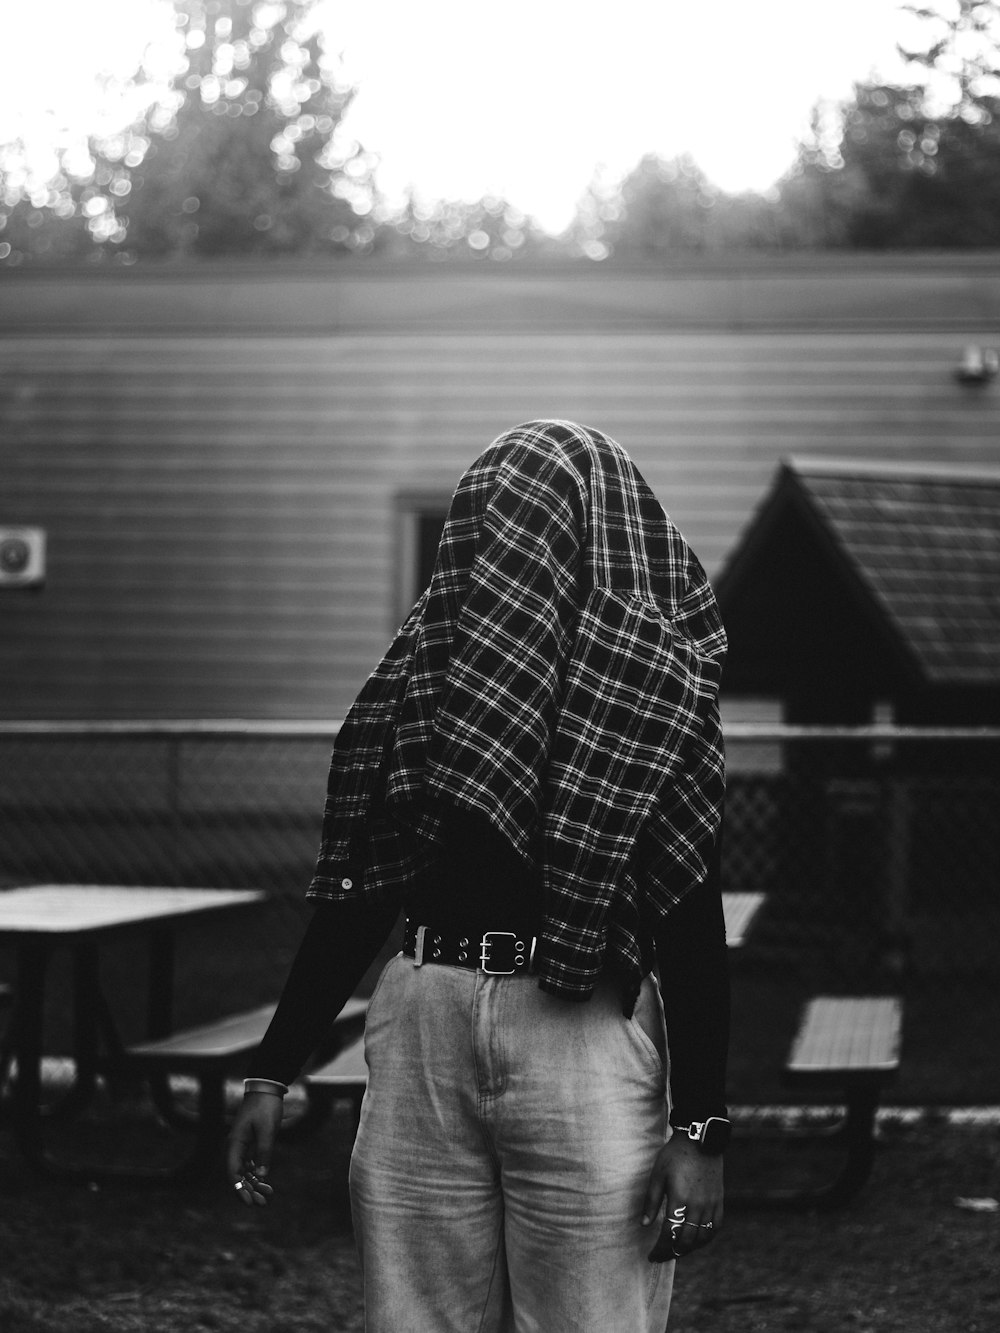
(906, 557)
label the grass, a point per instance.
(903, 1258)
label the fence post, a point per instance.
(897, 878)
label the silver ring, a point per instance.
(238, 1185)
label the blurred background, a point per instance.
(273, 274)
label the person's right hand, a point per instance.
(251, 1140)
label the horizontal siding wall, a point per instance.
(221, 511)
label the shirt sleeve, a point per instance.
(694, 978)
(340, 943)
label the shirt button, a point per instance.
(347, 883)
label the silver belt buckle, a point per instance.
(486, 953)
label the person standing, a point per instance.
(534, 775)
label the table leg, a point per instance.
(95, 1030)
(87, 1003)
(32, 962)
(160, 1016)
(160, 998)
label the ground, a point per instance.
(902, 1258)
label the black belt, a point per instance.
(498, 953)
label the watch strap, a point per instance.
(710, 1135)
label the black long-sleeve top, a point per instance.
(479, 885)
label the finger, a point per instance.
(259, 1194)
(671, 1242)
(668, 1246)
(679, 1239)
(258, 1187)
(244, 1192)
(698, 1234)
(253, 1191)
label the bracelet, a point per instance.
(270, 1086)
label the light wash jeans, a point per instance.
(500, 1167)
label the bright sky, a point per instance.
(522, 98)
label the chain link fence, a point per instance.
(878, 850)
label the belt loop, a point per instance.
(418, 948)
(531, 956)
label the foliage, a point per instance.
(896, 176)
(250, 162)
(49, 226)
(243, 156)
(893, 167)
(660, 206)
(959, 40)
(246, 155)
(877, 172)
(664, 207)
(455, 230)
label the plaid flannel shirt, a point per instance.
(559, 676)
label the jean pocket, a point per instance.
(646, 1023)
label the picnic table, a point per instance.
(39, 919)
(849, 1044)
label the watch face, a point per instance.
(715, 1136)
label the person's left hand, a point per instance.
(690, 1185)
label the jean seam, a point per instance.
(493, 1274)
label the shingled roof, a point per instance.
(886, 570)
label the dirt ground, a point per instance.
(903, 1257)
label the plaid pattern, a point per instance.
(559, 676)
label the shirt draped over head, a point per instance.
(559, 677)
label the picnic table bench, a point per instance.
(211, 1053)
(851, 1045)
(345, 1076)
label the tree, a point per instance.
(663, 208)
(41, 218)
(959, 41)
(896, 176)
(244, 156)
(251, 162)
(456, 230)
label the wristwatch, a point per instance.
(711, 1135)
